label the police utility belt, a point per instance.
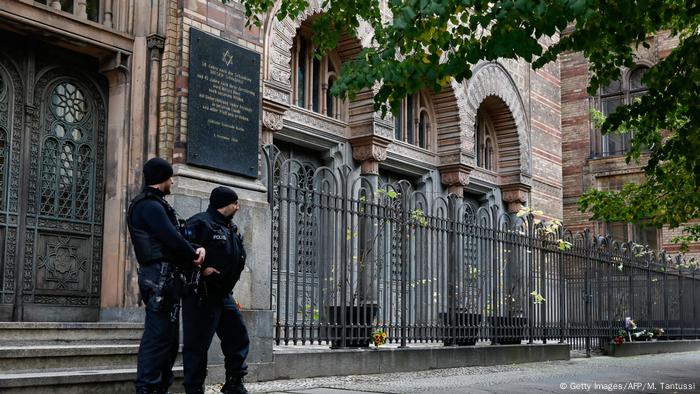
(167, 290)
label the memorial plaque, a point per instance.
(224, 105)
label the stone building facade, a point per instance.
(592, 160)
(89, 89)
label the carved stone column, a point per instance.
(107, 16)
(515, 196)
(455, 177)
(369, 151)
(81, 9)
(155, 44)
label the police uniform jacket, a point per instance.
(154, 230)
(225, 252)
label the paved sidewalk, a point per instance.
(662, 373)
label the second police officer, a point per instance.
(212, 308)
(162, 253)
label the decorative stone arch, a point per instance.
(492, 80)
(279, 39)
(280, 35)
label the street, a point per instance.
(662, 373)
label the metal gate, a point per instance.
(52, 137)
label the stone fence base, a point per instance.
(309, 363)
(654, 347)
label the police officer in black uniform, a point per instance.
(212, 308)
(162, 252)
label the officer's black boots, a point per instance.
(234, 385)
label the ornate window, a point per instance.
(619, 92)
(313, 78)
(485, 142)
(67, 160)
(412, 123)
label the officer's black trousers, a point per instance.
(199, 323)
(159, 343)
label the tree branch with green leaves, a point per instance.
(427, 44)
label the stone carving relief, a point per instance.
(483, 176)
(270, 93)
(315, 121)
(272, 121)
(156, 41)
(280, 75)
(369, 152)
(406, 150)
(515, 197)
(454, 178)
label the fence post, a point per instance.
(630, 280)
(543, 289)
(404, 263)
(665, 268)
(344, 212)
(562, 294)
(680, 294)
(587, 291)
(495, 275)
(609, 281)
(649, 290)
(452, 270)
(531, 275)
(695, 303)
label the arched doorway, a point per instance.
(52, 137)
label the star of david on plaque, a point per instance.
(228, 58)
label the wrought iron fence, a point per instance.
(351, 256)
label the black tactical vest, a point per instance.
(147, 248)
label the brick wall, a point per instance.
(211, 16)
(545, 134)
(579, 172)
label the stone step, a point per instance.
(21, 333)
(67, 357)
(112, 380)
